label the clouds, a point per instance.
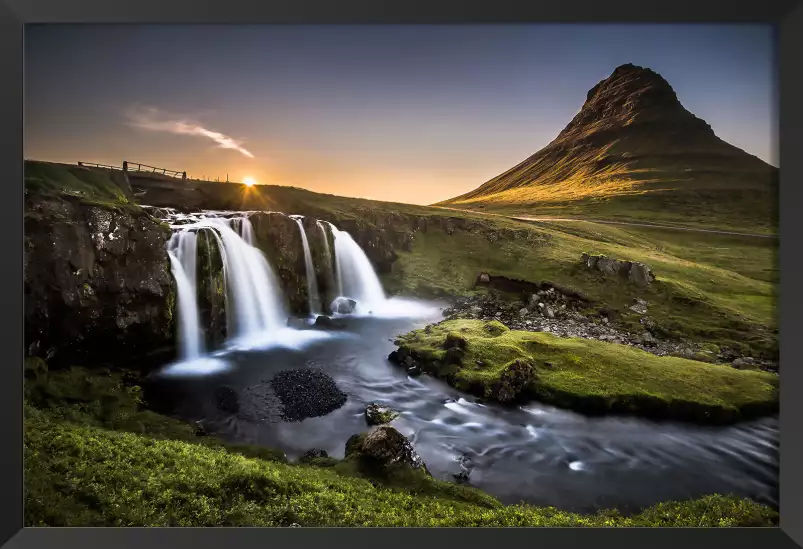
(155, 120)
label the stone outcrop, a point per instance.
(384, 450)
(637, 273)
(98, 288)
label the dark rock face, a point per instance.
(383, 449)
(98, 288)
(306, 393)
(211, 290)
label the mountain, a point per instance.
(634, 152)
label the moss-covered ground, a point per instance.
(589, 376)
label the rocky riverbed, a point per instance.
(549, 310)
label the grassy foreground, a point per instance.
(95, 456)
(88, 476)
(590, 376)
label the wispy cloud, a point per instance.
(155, 120)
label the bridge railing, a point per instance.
(137, 167)
(96, 165)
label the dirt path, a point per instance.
(632, 224)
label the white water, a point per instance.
(255, 314)
(328, 252)
(253, 303)
(356, 277)
(313, 298)
(182, 250)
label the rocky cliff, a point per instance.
(98, 288)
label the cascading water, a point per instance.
(356, 277)
(253, 304)
(313, 298)
(183, 253)
(255, 314)
(327, 252)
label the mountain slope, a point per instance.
(634, 152)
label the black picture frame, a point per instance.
(785, 15)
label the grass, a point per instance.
(590, 376)
(737, 210)
(92, 186)
(88, 476)
(703, 292)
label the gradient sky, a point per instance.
(404, 113)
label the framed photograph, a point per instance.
(289, 268)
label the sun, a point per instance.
(249, 181)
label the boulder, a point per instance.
(384, 448)
(343, 306)
(315, 453)
(636, 273)
(513, 380)
(590, 261)
(323, 322)
(640, 275)
(376, 414)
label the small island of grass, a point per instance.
(593, 377)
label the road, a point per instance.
(632, 224)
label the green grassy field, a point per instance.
(738, 210)
(709, 288)
(586, 375)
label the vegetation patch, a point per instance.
(92, 186)
(593, 377)
(79, 475)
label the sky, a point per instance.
(416, 113)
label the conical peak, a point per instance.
(630, 79)
(631, 93)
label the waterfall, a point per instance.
(327, 253)
(313, 299)
(253, 303)
(356, 277)
(182, 251)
